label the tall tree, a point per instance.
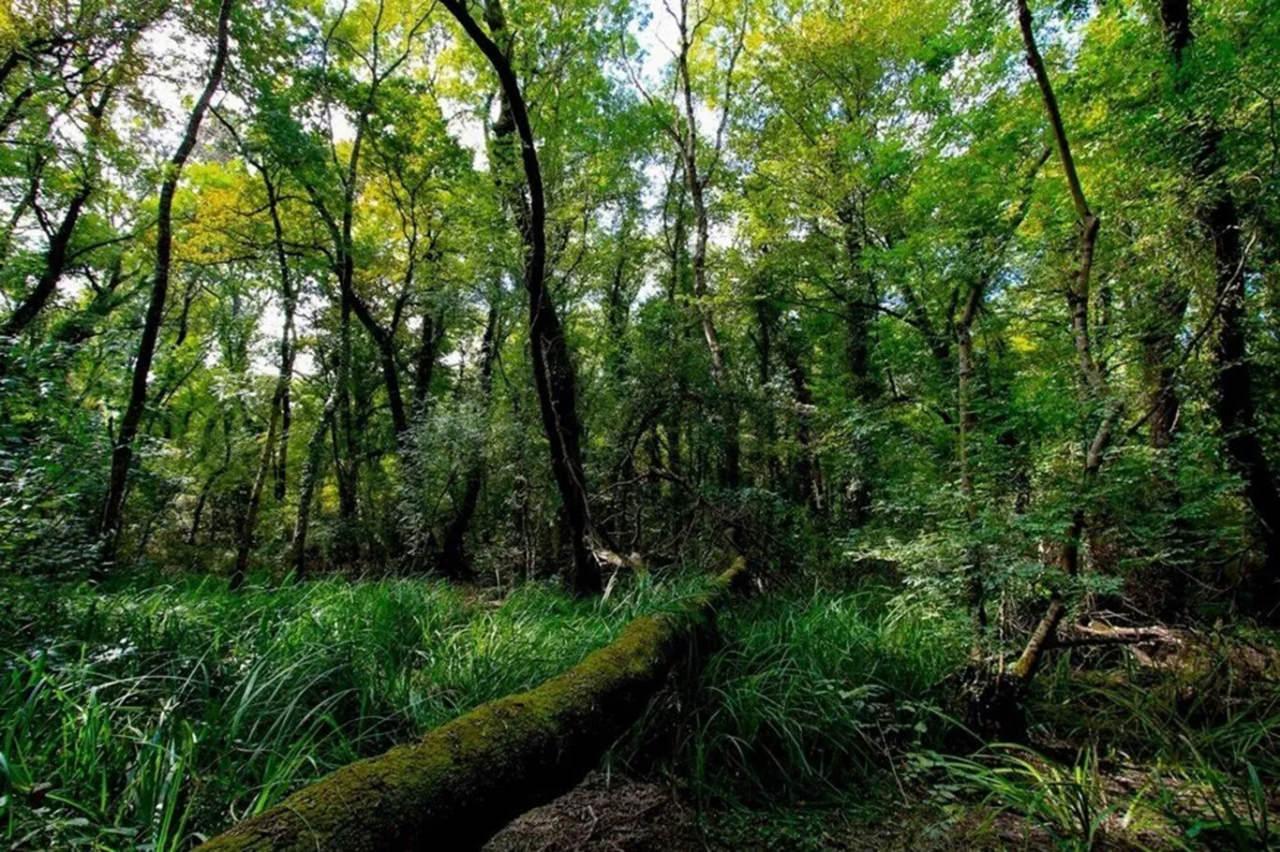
(1092, 373)
(122, 452)
(552, 367)
(1234, 405)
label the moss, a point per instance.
(460, 783)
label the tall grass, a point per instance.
(1183, 757)
(816, 691)
(149, 717)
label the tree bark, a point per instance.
(384, 340)
(1093, 376)
(429, 338)
(287, 341)
(277, 418)
(696, 183)
(122, 454)
(249, 522)
(808, 474)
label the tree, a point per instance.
(552, 368)
(122, 454)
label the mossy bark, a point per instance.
(462, 782)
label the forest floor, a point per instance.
(152, 711)
(625, 815)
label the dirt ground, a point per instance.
(625, 815)
(606, 814)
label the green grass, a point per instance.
(816, 692)
(153, 715)
(1186, 757)
(150, 716)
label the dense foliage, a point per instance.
(391, 299)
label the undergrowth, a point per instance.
(151, 716)
(818, 691)
(1181, 757)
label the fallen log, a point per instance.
(462, 782)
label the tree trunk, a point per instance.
(1008, 687)
(425, 364)
(122, 454)
(56, 257)
(726, 408)
(346, 451)
(297, 556)
(384, 340)
(287, 342)
(1234, 403)
(453, 556)
(966, 418)
(808, 473)
(462, 782)
(552, 368)
(211, 481)
(249, 522)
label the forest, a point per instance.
(640, 424)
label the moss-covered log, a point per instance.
(462, 782)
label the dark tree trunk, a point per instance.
(967, 421)
(552, 368)
(56, 257)
(54, 266)
(277, 418)
(203, 499)
(808, 474)
(1234, 404)
(859, 310)
(287, 343)
(249, 520)
(122, 454)
(1159, 367)
(384, 340)
(431, 334)
(346, 451)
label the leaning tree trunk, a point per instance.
(996, 702)
(122, 454)
(58, 253)
(552, 368)
(249, 521)
(462, 782)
